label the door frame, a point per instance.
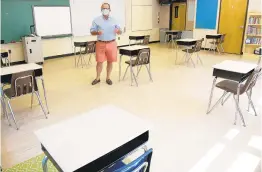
(171, 14)
(244, 29)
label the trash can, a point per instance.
(162, 35)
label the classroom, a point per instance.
(131, 86)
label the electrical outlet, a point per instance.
(9, 51)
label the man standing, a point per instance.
(106, 28)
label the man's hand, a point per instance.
(117, 31)
(97, 32)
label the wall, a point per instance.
(201, 33)
(60, 46)
(254, 6)
(164, 16)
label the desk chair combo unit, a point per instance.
(172, 36)
(22, 83)
(142, 55)
(84, 48)
(235, 74)
(138, 40)
(216, 43)
(5, 59)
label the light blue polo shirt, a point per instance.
(107, 26)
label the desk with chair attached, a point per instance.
(138, 39)
(94, 141)
(8, 72)
(235, 74)
(132, 52)
(217, 40)
(84, 48)
(172, 35)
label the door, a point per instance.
(232, 22)
(179, 16)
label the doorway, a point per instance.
(232, 23)
(179, 16)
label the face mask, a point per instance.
(105, 12)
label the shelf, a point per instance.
(254, 35)
(255, 24)
(254, 44)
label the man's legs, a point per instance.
(100, 58)
(99, 68)
(109, 69)
(111, 53)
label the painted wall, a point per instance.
(60, 46)
(164, 16)
(255, 6)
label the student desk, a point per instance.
(187, 43)
(137, 39)
(7, 72)
(131, 51)
(94, 140)
(258, 51)
(172, 33)
(231, 70)
(214, 37)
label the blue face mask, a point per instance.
(105, 12)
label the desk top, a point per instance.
(134, 47)
(173, 31)
(19, 68)
(235, 66)
(3, 50)
(77, 142)
(187, 40)
(216, 34)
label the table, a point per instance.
(172, 33)
(6, 74)
(212, 36)
(131, 51)
(136, 38)
(232, 70)
(94, 140)
(187, 43)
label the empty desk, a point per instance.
(173, 34)
(7, 72)
(131, 51)
(94, 140)
(187, 43)
(231, 70)
(137, 39)
(214, 38)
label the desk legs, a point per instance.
(120, 61)
(44, 164)
(43, 85)
(211, 95)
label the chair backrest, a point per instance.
(251, 81)
(222, 38)
(179, 35)
(146, 40)
(23, 83)
(141, 164)
(198, 45)
(80, 44)
(91, 47)
(143, 57)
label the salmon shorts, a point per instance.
(106, 51)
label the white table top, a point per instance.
(19, 68)
(187, 40)
(81, 140)
(134, 47)
(235, 66)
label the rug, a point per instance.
(31, 165)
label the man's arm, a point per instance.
(94, 29)
(118, 30)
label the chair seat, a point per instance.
(213, 42)
(133, 63)
(189, 50)
(230, 86)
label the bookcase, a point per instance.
(253, 33)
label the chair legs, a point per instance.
(82, 59)
(5, 111)
(238, 110)
(219, 100)
(40, 102)
(44, 164)
(12, 113)
(251, 103)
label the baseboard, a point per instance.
(71, 54)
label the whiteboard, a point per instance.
(142, 18)
(83, 12)
(52, 21)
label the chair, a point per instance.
(4, 59)
(231, 88)
(196, 49)
(146, 40)
(173, 37)
(22, 83)
(82, 50)
(218, 42)
(91, 50)
(141, 164)
(143, 59)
